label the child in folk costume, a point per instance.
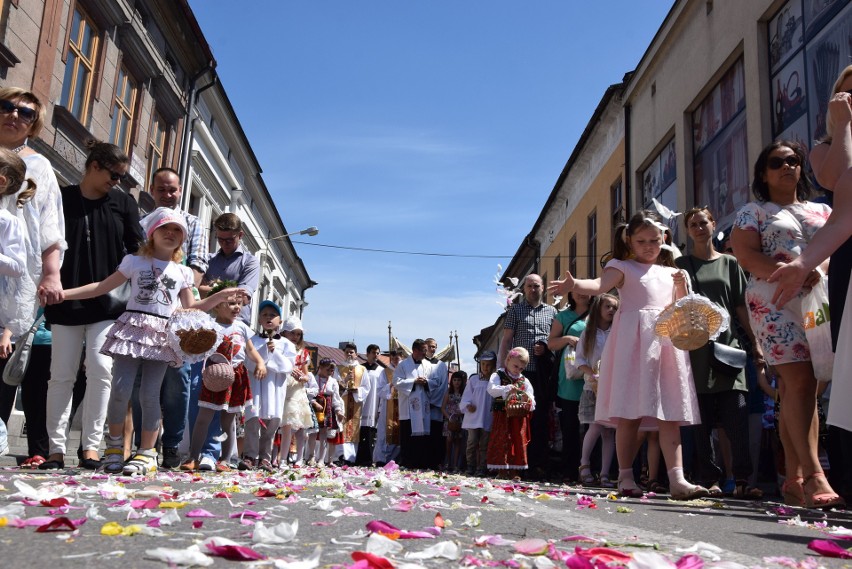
(476, 404)
(589, 349)
(263, 417)
(235, 347)
(159, 285)
(653, 389)
(453, 416)
(507, 445)
(329, 413)
(387, 422)
(292, 330)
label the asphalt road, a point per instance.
(484, 521)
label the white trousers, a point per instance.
(67, 345)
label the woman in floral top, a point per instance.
(768, 233)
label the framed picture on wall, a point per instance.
(789, 100)
(786, 34)
(827, 55)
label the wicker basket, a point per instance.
(194, 334)
(518, 404)
(691, 321)
(218, 373)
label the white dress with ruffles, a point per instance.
(141, 331)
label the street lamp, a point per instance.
(310, 231)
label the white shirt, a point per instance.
(476, 393)
(600, 340)
(403, 379)
(495, 389)
(368, 410)
(155, 285)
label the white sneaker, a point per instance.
(207, 464)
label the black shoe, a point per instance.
(171, 459)
(90, 464)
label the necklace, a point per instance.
(18, 149)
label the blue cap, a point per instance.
(487, 355)
(266, 303)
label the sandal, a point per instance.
(586, 476)
(823, 499)
(715, 491)
(189, 465)
(743, 491)
(793, 492)
(33, 462)
(656, 487)
(605, 482)
(144, 462)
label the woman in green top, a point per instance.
(565, 330)
(721, 396)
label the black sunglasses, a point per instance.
(115, 176)
(775, 162)
(26, 114)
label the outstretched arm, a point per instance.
(92, 290)
(609, 279)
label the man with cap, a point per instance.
(476, 406)
(174, 394)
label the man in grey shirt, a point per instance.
(232, 262)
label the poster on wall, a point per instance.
(722, 173)
(651, 182)
(797, 132)
(827, 55)
(668, 165)
(788, 94)
(818, 13)
(786, 34)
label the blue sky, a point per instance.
(437, 127)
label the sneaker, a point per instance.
(207, 464)
(171, 458)
(113, 461)
(143, 463)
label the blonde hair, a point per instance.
(829, 124)
(590, 333)
(13, 93)
(15, 171)
(519, 353)
(147, 250)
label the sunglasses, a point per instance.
(776, 162)
(115, 176)
(26, 114)
(226, 240)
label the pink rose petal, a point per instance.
(200, 513)
(234, 552)
(531, 546)
(690, 562)
(829, 549)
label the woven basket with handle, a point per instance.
(218, 373)
(518, 404)
(691, 321)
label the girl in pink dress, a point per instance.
(159, 285)
(653, 390)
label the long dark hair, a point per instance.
(640, 220)
(105, 154)
(760, 189)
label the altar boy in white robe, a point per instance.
(386, 448)
(411, 379)
(476, 405)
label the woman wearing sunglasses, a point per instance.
(767, 233)
(101, 226)
(22, 117)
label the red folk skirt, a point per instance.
(507, 446)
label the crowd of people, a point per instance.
(99, 285)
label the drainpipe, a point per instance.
(627, 175)
(189, 121)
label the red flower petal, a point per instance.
(829, 549)
(439, 520)
(235, 552)
(373, 561)
(58, 524)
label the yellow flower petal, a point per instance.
(173, 505)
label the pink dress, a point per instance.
(643, 375)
